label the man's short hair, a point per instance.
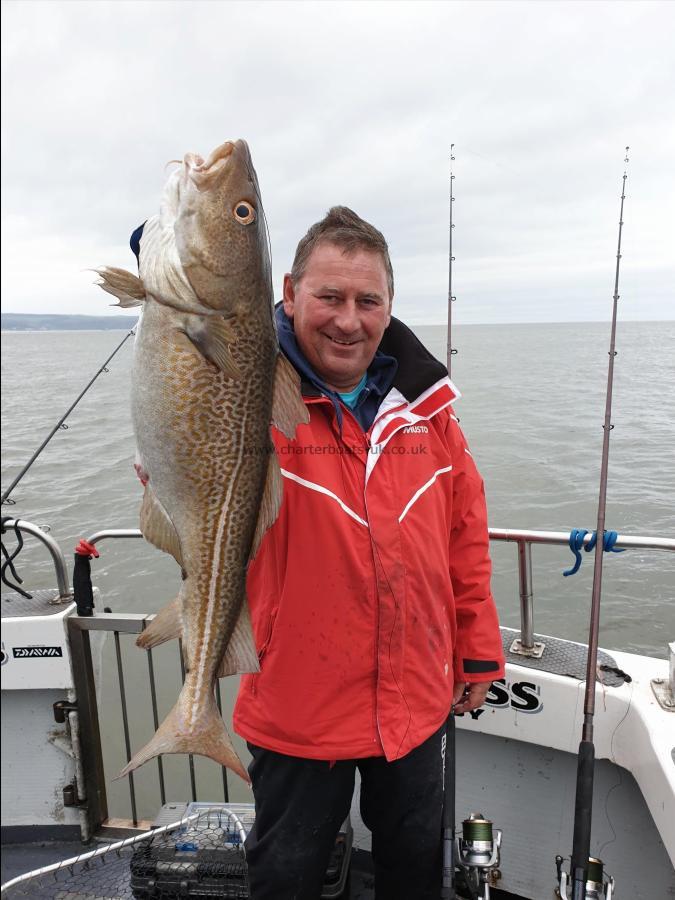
(342, 226)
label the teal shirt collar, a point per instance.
(351, 398)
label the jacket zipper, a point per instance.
(377, 627)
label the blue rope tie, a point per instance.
(577, 536)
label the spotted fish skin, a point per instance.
(207, 381)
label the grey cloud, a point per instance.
(355, 104)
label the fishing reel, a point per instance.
(477, 856)
(599, 885)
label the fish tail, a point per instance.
(208, 736)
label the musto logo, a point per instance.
(33, 652)
(416, 429)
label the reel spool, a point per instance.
(599, 885)
(477, 854)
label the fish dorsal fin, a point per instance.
(241, 655)
(166, 626)
(288, 409)
(212, 336)
(128, 288)
(271, 502)
(157, 527)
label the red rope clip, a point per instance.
(84, 548)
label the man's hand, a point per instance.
(466, 697)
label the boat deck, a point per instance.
(110, 880)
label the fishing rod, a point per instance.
(451, 351)
(468, 860)
(448, 738)
(61, 422)
(448, 813)
(587, 873)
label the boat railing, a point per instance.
(524, 539)
(42, 534)
(90, 750)
(145, 689)
(526, 644)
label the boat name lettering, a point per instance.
(31, 652)
(522, 696)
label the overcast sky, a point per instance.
(356, 104)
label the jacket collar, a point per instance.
(418, 370)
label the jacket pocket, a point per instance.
(265, 647)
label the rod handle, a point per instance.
(583, 810)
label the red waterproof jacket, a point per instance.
(370, 595)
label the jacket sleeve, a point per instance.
(478, 652)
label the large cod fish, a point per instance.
(208, 380)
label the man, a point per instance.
(370, 595)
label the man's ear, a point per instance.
(289, 296)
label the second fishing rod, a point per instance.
(586, 873)
(61, 423)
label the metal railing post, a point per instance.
(526, 595)
(59, 560)
(526, 644)
(90, 734)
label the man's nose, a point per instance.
(347, 317)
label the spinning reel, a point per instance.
(599, 885)
(477, 856)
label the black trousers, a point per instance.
(301, 803)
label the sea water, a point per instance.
(532, 409)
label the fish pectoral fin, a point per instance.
(157, 527)
(270, 503)
(241, 655)
(288, 409)
(212, 336)
(128, 288)
(180, 732)
(166, 626)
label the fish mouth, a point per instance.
(206, 173)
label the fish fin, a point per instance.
(241, 655)
(270, 503)
(166, 626)
(128, 288)
(178, 734)
(288, 409)
(157, 527)
(212, 336)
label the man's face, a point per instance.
(340, 308)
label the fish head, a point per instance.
(219, 227)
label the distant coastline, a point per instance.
(46, 322)
(32, 322)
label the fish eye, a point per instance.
(244, 212)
